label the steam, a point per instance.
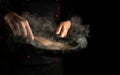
(42, 26)
(46, 27)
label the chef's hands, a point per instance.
(63, 28)
(19, 25)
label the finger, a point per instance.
(64, 32)
(13, 28)
(19, 33)
(59, 29)
(14, 31)
(29, 31)
(23, 29)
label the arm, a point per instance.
(71, 25)
(67, 12)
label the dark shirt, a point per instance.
(41, 7)
(24, 54)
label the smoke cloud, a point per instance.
(46, 27)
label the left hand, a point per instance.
(63, 28)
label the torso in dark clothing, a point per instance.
(43, 8)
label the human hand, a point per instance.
(63, 28)
(19, 25)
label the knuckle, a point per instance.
(23, 22)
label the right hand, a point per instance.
(19, 25)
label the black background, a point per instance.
(87, 61)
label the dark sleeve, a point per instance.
(17, 6)
(4, 8)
